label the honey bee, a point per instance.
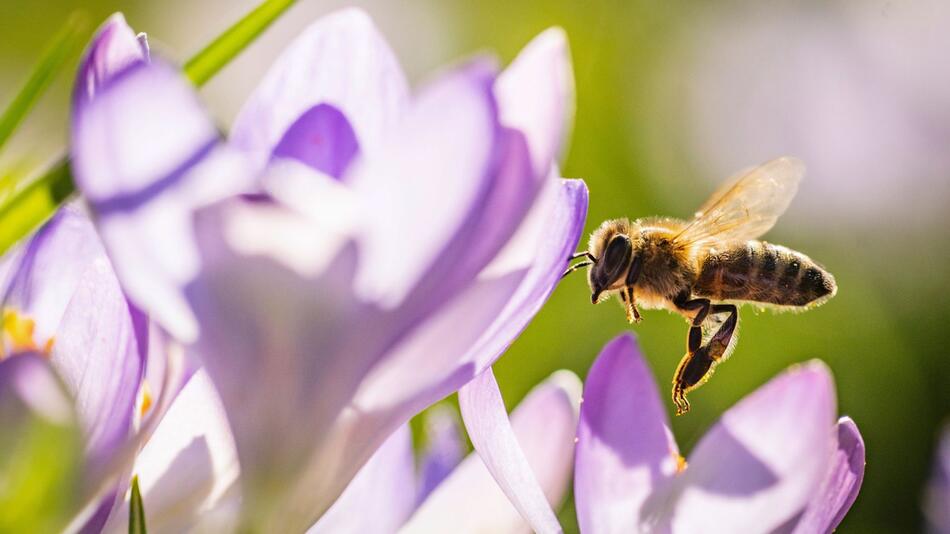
(703, 268)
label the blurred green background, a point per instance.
(673, 97)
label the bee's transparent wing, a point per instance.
(747, 205)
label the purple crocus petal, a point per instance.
(536, 96)
(466, 336)
(544, 426)
(441, 157)
(42, 273)
(281, 358)
(188, 464)
(145, 155)
(541, 246)
(841, 484)
(761, 463)
(444, 448)
(625, 448)
(937, 498)
(341, 60)
(486, 420)
(380, 497)
(62, 280)
(114, 48)
(29, 388)
(321, 138)
(96, 352)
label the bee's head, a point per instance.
(609, 255)
(610, 265)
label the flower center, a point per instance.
(17, 335)
(680, 464)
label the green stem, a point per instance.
(34, 204)
(59, 49)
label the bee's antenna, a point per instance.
(583, 254)
(577, 266)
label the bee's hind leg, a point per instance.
(697, 365)
(718, 344)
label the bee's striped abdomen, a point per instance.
(766, 273)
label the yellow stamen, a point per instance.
(145, 398)
(680, 463)
(17, 334)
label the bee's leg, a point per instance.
(696, 362)
(576, 266)
(689, 375)
(702, 306)
(697, 366)
(629, 299)
(718, 345)
(630, 304)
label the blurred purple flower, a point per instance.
(351, 255)
(937, 503)
(188, 469)
(776, 461)
(61, 299)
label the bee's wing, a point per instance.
(747, 205)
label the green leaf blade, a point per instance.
(206, 63)
(57, 52)
(136, 509)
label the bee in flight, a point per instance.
(703, 268)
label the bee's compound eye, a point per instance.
(615, 259)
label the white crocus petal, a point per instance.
(486, 420)
(471, 501)
(188, 465)
(536, 96)
(380, 497)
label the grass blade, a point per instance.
(60, 48)
(229, 44)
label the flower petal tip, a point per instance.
(114, 48)
(569, 385)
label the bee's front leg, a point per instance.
(630, 304)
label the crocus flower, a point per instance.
(776, 461)
(62, 302)
(188, 468)
(937, 497)
(350, 255)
